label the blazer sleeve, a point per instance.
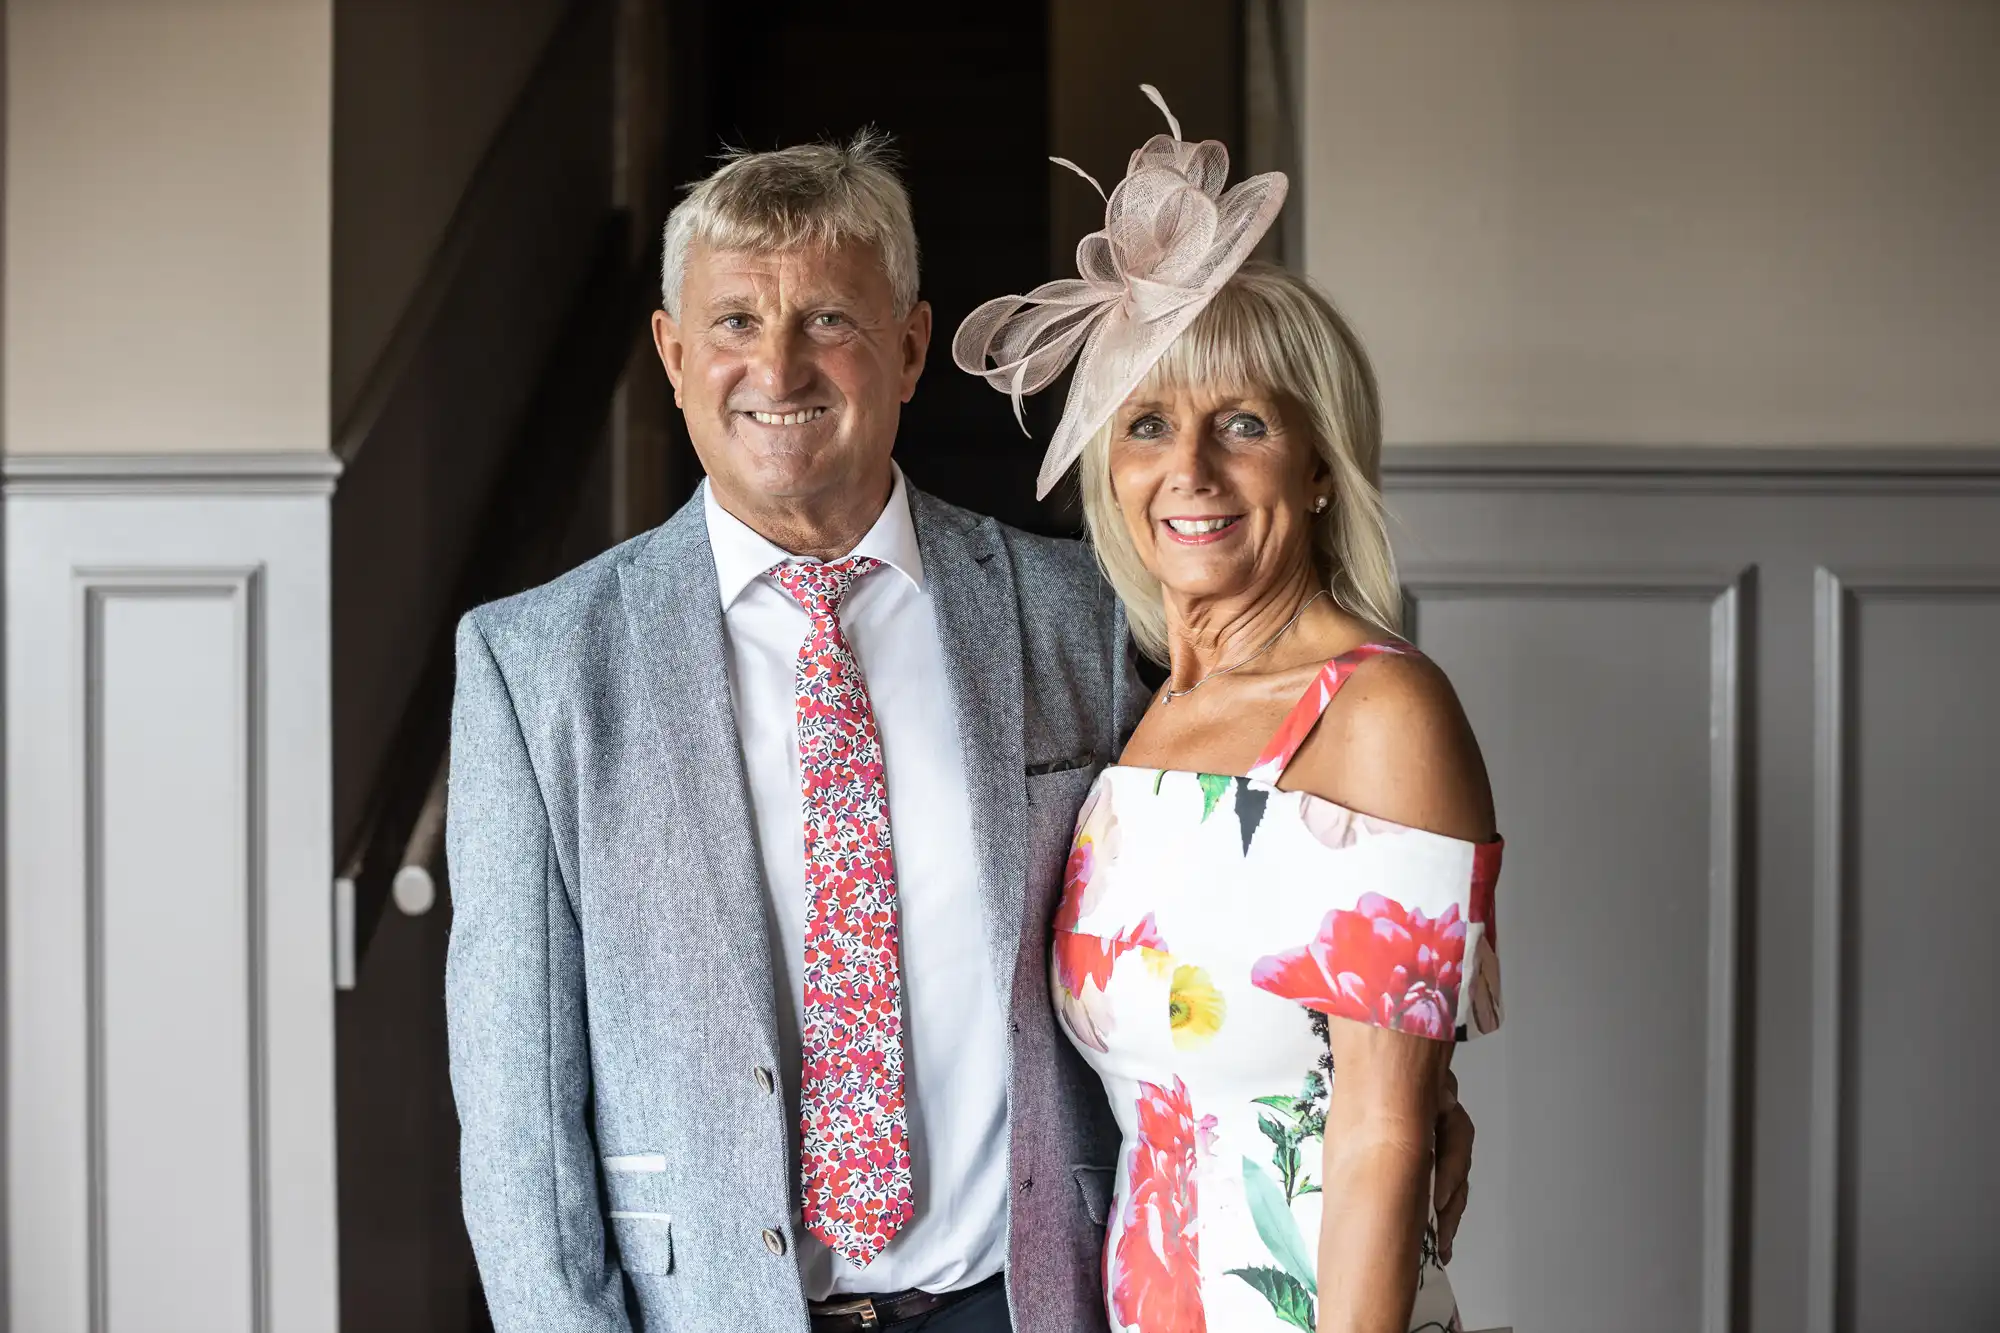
(514, 1000)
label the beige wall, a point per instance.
(420, 89)
(166, 225)
(1633, 221)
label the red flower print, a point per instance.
(1083, 961)
(1485, 876)
(1380, 963)
(1155, 1273)
(1084, 964)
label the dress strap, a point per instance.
(1306, 713)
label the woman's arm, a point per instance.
(1380, 1124)
(1395, 744)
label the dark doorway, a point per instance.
(964, 90)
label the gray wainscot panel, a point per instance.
(1737, 707)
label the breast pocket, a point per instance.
(640, 1226)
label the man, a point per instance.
(723, 1061)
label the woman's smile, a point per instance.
(1192, 531)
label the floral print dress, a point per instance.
(1207, 924)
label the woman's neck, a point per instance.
(1210, 634)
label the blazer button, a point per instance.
(765, 1080)
(773, 1242)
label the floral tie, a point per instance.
(855, 1144)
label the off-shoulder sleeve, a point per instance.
(1406, 932)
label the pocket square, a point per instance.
(1084, 760)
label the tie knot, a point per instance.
(821, 588)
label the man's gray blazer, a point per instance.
(610, 994)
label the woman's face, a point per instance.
(1217, 487)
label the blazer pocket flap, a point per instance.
(644, 1163)
(1069, 765)
(635, 1185)
(645, 1242)
(1094, 1184)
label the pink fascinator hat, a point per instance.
(1172, 237)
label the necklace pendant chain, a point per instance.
(1269, 644)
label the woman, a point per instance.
(1290, 870)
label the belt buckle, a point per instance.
(863, 1309)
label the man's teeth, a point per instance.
(1195, 527)
(789, 418)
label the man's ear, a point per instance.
(667, 341)
(916, 346)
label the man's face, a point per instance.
(791, 368)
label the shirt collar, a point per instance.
(743, 555)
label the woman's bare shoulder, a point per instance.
(1396, 744)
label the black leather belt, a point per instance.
(850, 1314)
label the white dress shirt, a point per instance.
(954, 1036)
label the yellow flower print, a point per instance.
(1195, 1008)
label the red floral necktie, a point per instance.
(855, 1143)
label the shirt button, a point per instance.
(765, 1080)
(773, 1242)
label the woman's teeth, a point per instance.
(1197, 527)
(788, 418)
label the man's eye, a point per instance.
(734, 323)
(828, 319)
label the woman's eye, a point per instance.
(1149, 427)
(1245, 426)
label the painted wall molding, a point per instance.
(302, 473)
(1800, 469)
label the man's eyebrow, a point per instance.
(832, 296)
(729, 296)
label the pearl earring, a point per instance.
(1319, 505)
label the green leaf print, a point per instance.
(1288, 1299)
(1276, 1226)
(1286, 1156)
(1212, 787)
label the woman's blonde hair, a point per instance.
(1272, 331)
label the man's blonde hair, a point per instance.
(815, 195)
(1274, 332)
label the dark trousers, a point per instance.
(984, 1313)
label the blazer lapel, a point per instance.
(673, 610)
(971, 582)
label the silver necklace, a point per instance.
(1269, 644)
